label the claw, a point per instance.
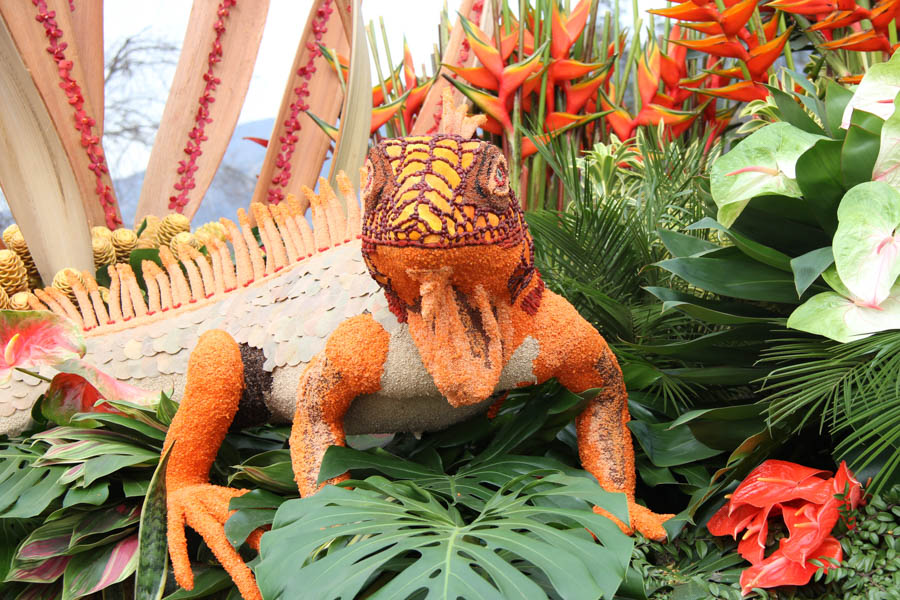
(643, 520)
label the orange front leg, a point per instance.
(604, 441)
(350, 366)
(212, 395)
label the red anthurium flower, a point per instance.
(808, 525)
(753, 545)
(844, 483)
(68, 394)
(730, 522)
(30, 339)
(779, 570)
(781, 481)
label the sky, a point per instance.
(416, 20)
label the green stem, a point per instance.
(394, 79)
(836, 64)
(788, 53)
(636, 43)
(33, 374)
(392, 130)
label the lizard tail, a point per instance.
(194, 278)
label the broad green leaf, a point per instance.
(271, 470)
(104, 521)
(876, 91)
(679, 244)
(792, 112)
(888, 161)
(738, 277)
(711, 311)
(136, 259)
(153, 557)
(381, 521)
(836, 99)
(860, 149)
(166, 409)
(29, 490)
(251, 511)
(31, 339)
(763, 163)
(95, 494)
(207, 581)
(38, 591)
(754, 250)
(820, 179)
(866, 244)
(808, 267)
(840, 318)
(90, 572)
(667, 447)
(50, 539)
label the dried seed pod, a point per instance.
(185, 237)
(171, 225)
(61, 282)
(124, 241)
(19, 301)
(147, 238)
(104, 251)
(13, 275)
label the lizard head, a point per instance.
(445, 237)
(443, 202)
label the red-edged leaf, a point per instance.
(779, 570)
(778, 481)
(862, 41)
(39, 591)
(90, 572)
(717, 45)
(808, 525)
(731, 522)
(478, 76)
(762, 57)
(31, 339)
(481, 44)
(734, 18)
(43, 572)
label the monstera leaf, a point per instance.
(31, 339)
(530, 535)
(762, 164)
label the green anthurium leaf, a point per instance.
(108, 386)
(866, 244)
(887, 165)
(90, 572)
(381, 521)
(153, 558)
(738, 277)
(820, 179)
(667, 447)
(836, 99)
(680, 244)
(793, 113)
(876, 91)
(840, 318)
(831, 277)
(754, 250)
(711, 311)
(763, 163)
(860, 149)
(809, 266)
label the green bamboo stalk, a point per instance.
(392, 131)
(636, 43)
(788, 53)
(394, 79)
(538, 189)
(515, 146)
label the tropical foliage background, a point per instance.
(714, 187)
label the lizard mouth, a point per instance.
(459, 337)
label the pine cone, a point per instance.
(104, 251)
(4, 300)
(13, 275)
(148, 235)
(61, 282)
(124, 241)
(19, 301)
(170, 226)
(185, 237)
(15, 241)
(213, 229)
(101, 231)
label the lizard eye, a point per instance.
(499, 184)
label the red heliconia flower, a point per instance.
(566, 29)
(809, 8)
(742, 91)
(862, 41)
(779, 570)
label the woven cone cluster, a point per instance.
(147, 238)
(170, 226)
(61, 281)
(13, 275)
(104, 251)
(186, 238)
(15, 241)
(5, 303)
(124, 241)
(213, 230)
(102, 232)
(19, 301)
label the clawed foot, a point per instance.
(204, 508)
(643, 520)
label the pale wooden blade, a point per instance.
(454, 54)
(35, 172)
(70, 107)
(183, 163)
(87, 26)
(297, 146)
(356, 114)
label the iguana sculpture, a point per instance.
(466, 315)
